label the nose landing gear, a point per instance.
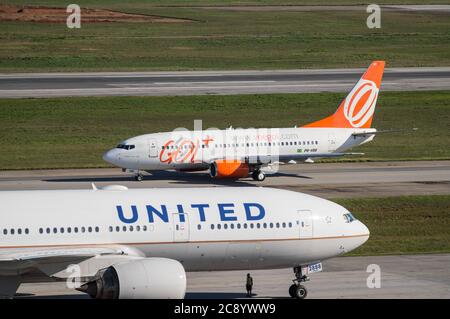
(296, 290)
(258, 175)
(138, 177)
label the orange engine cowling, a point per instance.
(228, 169)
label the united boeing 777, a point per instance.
(121, 243)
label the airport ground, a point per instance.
(405, 204)
(402, 277)
(224, 38)
(50, 85)
(75, 132)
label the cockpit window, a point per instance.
(349, 217)
(125, 147)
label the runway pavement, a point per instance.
(213, 82)
(326, 180)
(407, 277)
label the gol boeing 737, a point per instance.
(120, 243)
(237, 153)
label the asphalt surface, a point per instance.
(429, 8)
(403, 277)
(335, 180)
(213, 82)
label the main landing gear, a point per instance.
(296, 290)
(258, 175)
(139, 177)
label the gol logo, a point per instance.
(360, 103)
(179, 152)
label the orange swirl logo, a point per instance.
(359, 105)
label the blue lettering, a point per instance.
(161, 214)
(181, 213)
(201, 210)
(248, 213)
(223, 212)
(124, 219)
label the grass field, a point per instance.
(151, 3)
(403, 225)
(75, 132)
(221, 39)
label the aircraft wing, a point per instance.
(281, 158)
(55, 255)
(54, 262)
(374, 132)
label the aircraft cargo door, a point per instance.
(305, 222)
(153, 148)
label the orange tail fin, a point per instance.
(357, 109)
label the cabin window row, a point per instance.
(189, 146)
(248, 225)
(130, 228)
(268, 144)
(69, 230)
(16, 231)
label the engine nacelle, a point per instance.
(147, 278)
(228, 169)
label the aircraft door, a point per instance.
(305, 222)
(153, 148)
(331, 142)
(180, 227)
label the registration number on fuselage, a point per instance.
(309, 269)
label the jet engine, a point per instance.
(228, 169)
(147, 278)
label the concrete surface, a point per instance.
(213, 82)
(408, 277)
(326, 180)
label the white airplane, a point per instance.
(120, 243)
(236, 153)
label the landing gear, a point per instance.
(258, 176)
(296, 290)
(139, 177)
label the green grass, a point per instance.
(145, 4)
(75, 132)
(403, 225)
(222, 39)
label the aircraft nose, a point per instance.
(364, 231)
(110, 156)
